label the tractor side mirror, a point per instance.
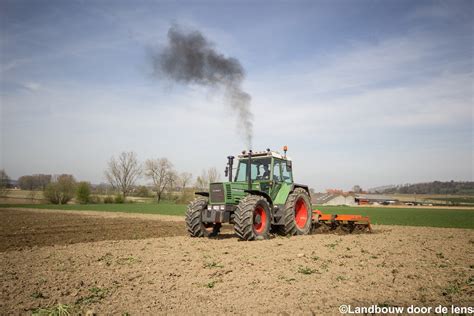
(288, 165)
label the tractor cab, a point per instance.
(269, 170)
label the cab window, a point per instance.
(241, 172)
(260, 169)
(287, 175)
(277, 171)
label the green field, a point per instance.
(456, 218)
(432, 217)
(461, 200)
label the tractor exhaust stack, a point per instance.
(230, 163)
(249, 170)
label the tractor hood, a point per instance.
(229, 192)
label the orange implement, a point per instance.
(347, 223)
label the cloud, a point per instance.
(397, 82)
(12, 64)
(392, 111)
(32, 86)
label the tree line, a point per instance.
(125, 170)
(435, 187)
(122, 172)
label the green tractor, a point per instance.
(260, 200)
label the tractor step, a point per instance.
(344, 223)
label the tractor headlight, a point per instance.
(222, 207)
(216, 207)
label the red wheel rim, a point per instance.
(259, 219)
(301, 213)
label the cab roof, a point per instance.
(266, 153)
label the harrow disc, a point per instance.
(340, 224)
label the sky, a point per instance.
(362, 92)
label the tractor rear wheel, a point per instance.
(253, 218)
(297, 214)
(194, 224)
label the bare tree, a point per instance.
(160, 171)
(4, 182)
(213, 175)
(173, 179)
(184, 179)
(201, 182)
(42, 180)
(26, 182)
(123, 172)
(207, 176)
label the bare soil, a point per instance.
(30, 228)
(146, 265)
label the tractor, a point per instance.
(260, 200)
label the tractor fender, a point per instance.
(261, 193)
(206, 194)
(296, 185)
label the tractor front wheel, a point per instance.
(194, 224)
(253, 218)
(297, 216)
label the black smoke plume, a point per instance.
(189, 57)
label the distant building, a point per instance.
(364, 199)
(332, 199)
(349, 199)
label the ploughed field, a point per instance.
(115, 263)
(28, 228)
